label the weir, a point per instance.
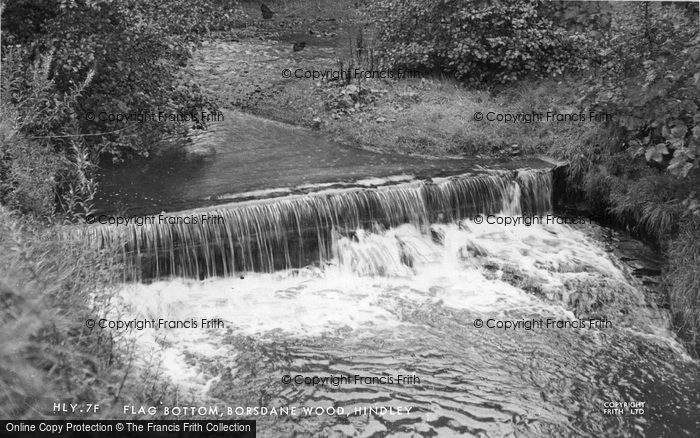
(297, 231)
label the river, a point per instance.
(408, 308)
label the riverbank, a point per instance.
(257, 71)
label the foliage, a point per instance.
(476, 42)
(648, 204)
(650, 83)
(580, 16)
(39, 170)
(189, 19)
(67, 66)
(51, 281)
(45, 350)
(134, 49)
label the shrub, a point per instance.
(51, 281)
(67, 62)
(651, 85)
(43, 163)
(476, 42)
(46, 353)
(134, 49)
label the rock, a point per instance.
(316, 124)
(463, 226)
(381, 119)
(475, 249)
(437, 235)
(200, 152)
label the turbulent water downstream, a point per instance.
(395, 282)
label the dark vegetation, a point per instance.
(63, 59)
(48, 289)
(475, 42)
(64, 63)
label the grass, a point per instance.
(683, 283)
(47, 291)
(436, 117)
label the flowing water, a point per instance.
(266, 235)
(394, 281)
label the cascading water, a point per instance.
(400, 278)
(292, 232)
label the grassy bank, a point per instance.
(48, 289)
(437, 117)
(683, 283)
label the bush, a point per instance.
(476, 42)
(46, 353)
(650, 84)
(43, 162)
(643, 72)
(67, 61)
(134, 49)
(50, 283)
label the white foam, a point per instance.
(371, 274)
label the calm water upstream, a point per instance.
(248, 156)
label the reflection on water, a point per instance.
(402, 302)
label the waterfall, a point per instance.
(295, 231)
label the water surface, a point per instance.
(404, 302)
(245, 153)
